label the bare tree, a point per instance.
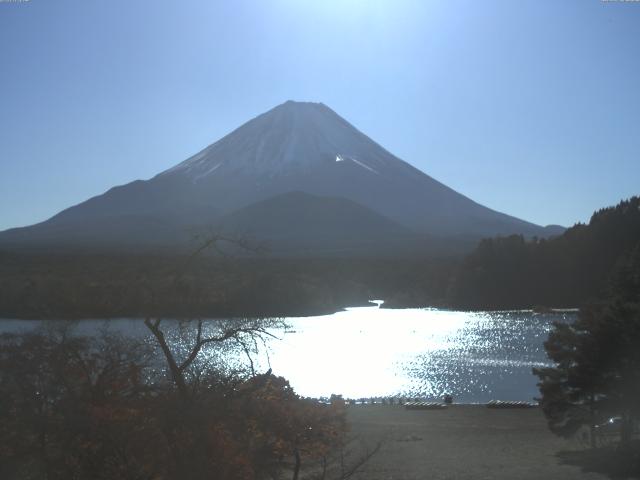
(341, 463)
(241, 332)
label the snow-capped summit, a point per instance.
(294, 136)
(298, 147)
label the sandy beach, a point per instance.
(461, 442)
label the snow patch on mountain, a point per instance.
(342, 158)
(207, 172)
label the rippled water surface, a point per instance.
(371, 352)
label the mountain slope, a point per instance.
(297, 222)
(302, 147)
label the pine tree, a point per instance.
(597, 360)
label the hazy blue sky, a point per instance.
(529, 107)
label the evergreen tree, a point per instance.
(597, 360)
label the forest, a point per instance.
(564, 271)
(500, 273)
(66, 286)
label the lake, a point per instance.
(374, 352)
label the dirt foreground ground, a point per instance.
(461, 442)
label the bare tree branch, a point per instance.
(228, 332)
(176, 373)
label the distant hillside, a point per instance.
(126, 232)
(564, 271)
(296, 223)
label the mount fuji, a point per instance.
(298, 175)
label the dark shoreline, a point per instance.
(318, 313)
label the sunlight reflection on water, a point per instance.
(367, 351)
(374, 352)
